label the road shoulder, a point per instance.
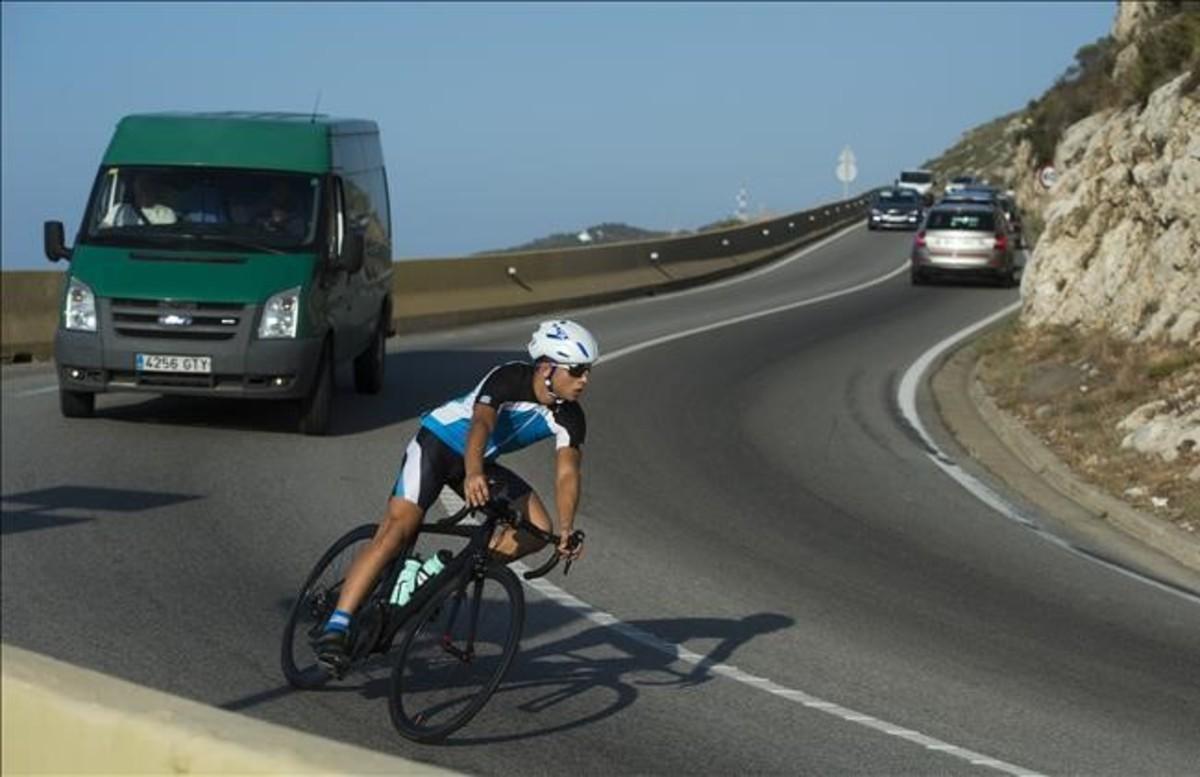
(1005, 454)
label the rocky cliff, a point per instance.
(1120, 249)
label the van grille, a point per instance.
(174, 320)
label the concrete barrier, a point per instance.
(432, 293)
(29, 301)
(59, 719)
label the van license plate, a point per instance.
(154, 362)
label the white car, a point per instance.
(920, 181)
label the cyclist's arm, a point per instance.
(483, 421)
(566, 487)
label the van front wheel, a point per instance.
(368, 365)
(316, 407)
(76, 404)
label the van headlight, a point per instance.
(280, 315)
(79, 309)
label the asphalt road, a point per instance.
(793, 587)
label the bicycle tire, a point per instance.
(434, 692)
(315, 602)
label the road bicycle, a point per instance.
(458, 633)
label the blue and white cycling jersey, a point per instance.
(520, 419)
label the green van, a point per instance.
(229, 255)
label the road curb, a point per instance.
(61, 719)
(958, 393)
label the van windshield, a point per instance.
(180, 207)
(916, 176)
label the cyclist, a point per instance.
(513, 406)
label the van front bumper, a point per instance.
(253, 368)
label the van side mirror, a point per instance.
(53, 242)
(353, 252)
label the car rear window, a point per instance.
(975, 221)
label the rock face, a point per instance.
(1121, 247)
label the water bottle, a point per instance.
(434, 564)
(406, 582)
(416, 573)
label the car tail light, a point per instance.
(1001, 243)
(919, 242)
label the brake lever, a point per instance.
(574, 541)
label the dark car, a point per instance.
(895, 207)
(959, 183)
(962, 241)
(979, 194)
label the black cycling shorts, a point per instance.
(429, 464)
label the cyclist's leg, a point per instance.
(427, 464)
(399, 523)
(510, 544)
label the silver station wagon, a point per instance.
(965, 240)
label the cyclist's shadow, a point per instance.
(599, 670)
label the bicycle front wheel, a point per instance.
(316, 602)
(455, 652)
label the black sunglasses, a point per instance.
(576, 370)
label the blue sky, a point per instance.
(506, 122)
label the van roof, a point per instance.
(298, 142)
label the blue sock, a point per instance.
(339, 621)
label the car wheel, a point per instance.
(917, 278)
(316, 408)
(76, 404)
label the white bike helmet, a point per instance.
(563, 342)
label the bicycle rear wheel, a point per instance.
(455, 652)
(314, 605)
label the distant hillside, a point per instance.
(607, 232)
(985, 151)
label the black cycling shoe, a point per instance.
(332, 652)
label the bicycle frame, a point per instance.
(466, 564)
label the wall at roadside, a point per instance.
(59, 719)
(432, 293)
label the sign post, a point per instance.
(847, 170)
(1047, 177)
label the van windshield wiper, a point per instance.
(232, 241)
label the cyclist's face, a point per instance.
(568, 386)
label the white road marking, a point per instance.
(907, 398)
(452, 503)
(634, 348)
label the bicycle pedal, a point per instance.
(337, 668)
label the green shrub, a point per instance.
(1171, 47)
(1083, 89)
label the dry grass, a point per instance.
(1072, 389)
